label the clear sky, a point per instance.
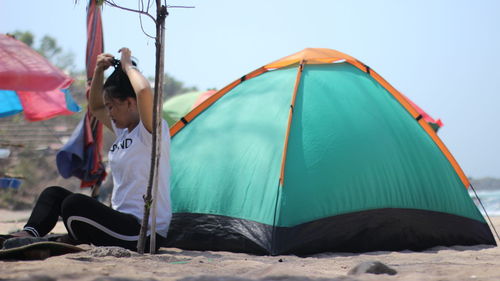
(442, 54)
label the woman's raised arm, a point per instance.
(141, 87)
(96, 99)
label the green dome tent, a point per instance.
(177, 106)
(313, 153)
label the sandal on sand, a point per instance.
(39, 250)
(16, 242)
(4, 237)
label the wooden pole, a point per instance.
(161, 14)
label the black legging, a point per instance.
(86, 219)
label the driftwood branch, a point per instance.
(169, 6)
(144, 31)
(141, 7)
(112, 3)
(152, 189)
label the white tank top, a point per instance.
(130, 160)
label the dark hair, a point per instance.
(118, 86)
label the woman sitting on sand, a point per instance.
(124, 104)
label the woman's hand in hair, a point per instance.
(126, 60)
(104, 61)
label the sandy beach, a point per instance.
(108, 263)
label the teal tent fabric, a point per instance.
(239, 141)
(358, 149)
(360, 173)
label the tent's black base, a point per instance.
(374, 230)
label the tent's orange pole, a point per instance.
(414, 113)
(445, 151)
(397, 95)
(290, 116)
(205, 104)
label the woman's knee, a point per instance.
(53, 191)
(74, 204)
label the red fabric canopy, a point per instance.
(23, 69)
(39, 106)
(30, 83)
